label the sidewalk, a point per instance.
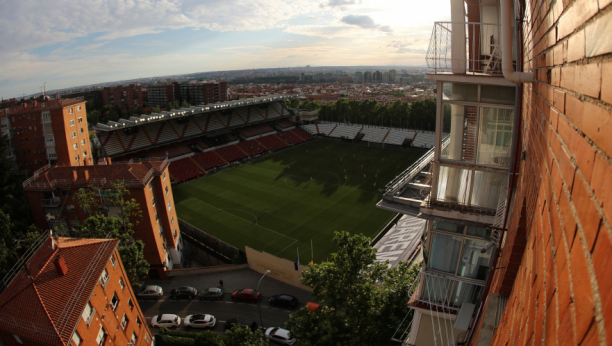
(233, 280)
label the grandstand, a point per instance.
(374, 134)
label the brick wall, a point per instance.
(562, 292)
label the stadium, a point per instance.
(253, 173)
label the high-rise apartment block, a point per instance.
(161, 94)
(48, 132)
(204, 92)
(124, 97)
(518, 243)
(71, 292)
(377, 77)
(51, 195)
(358, 77)
(367, 77)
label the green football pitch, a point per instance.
(283, 201)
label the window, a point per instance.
(175, 233)
(113, 261)
(169, 206)
(153, 200)
(156, 218)
(124, 321)
(121, 283)
(74, 146)
(164, 176)
(84, 152)
(101, 336)
(166, 191)
(82, 142)
(73, 134)
(131, 305)
(114, 301)
(88, 313)
(70, 112)
(104, 278)
(134, 337)
(147, 339)
(138, 321)
(79, 109)
(76, 338)
(17, 339)
(70, 207)
(80, 120)
(82, 131)
(151, 185)
(71, 122)
(161, 230)
(77, 158)
(172, 219)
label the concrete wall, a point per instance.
(280, 269)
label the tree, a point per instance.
(241, 335)
(362, 301)
(99, 225)
(208, 338)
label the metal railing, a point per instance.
(50, 203)
(91, 316)
(395, 186)
(482, 52)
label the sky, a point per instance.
(69, 43)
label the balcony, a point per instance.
(465, 48)
(51, 203)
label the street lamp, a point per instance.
(258, 303)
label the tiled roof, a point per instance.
(46, 306)
(131, 173)
(45, 105)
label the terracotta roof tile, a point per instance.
(45, 105)
(47, 306)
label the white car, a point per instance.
(200, 321)
(165, 321)
(280, 336)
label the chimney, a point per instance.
(86, 174)
(34, 104)
(25, 105)
(74, 174)
(60, 265)
(108, 160)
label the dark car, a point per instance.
(212, 293)
(284, 300)
(184, 292)
(229, 324)
(246, 295)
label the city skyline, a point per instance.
(118, 41)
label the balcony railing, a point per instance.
(51, 203)
(465, 48)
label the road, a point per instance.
(222, 310)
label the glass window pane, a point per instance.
(465, 293)
(453, 184)
(444, 253)
(473, 263)
(481, 232)
(436, 290)
(448, 227)
(460, 123)
(460, 92)
(497, 94)
(495, 136)
(486, 189)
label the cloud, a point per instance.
(340, 3)
(365, 22)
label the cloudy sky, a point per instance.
(77, 42)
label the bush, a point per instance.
(170, 340)
(178, 333)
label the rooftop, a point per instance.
(44, 105)
(41, 304)
(132, 173)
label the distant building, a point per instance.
(392, 77)
(385, 77)
(83, 94)
(377, 77)
(329, 77)
(319, 77)
(203, 92)
(47, 132)
(358, 77)
(51, 198)
(124, 97)
(338, 72)
(71, 292)
(302, 77)
(367, 77)
(161, 94)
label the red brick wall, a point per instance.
(562, 292)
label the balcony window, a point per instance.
(88, 313)
(124, 321)
(76, 338)
(114, 301)
(104, 278)
(113, 261)
(460, 92)
(101, 336)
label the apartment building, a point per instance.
(161, 94)
(204, 92)
(48, 132)
(51, 196)
(518, 240)
(69, 291)
(124, 96)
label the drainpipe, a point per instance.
(506, 28)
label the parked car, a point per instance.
(200, 321)
(246, 295)
(284, 300)
(150, 292)
(184, 292)
(212, 293)
(229, 324)
(166, 321)
(280, 336)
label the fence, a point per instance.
(228, 253)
